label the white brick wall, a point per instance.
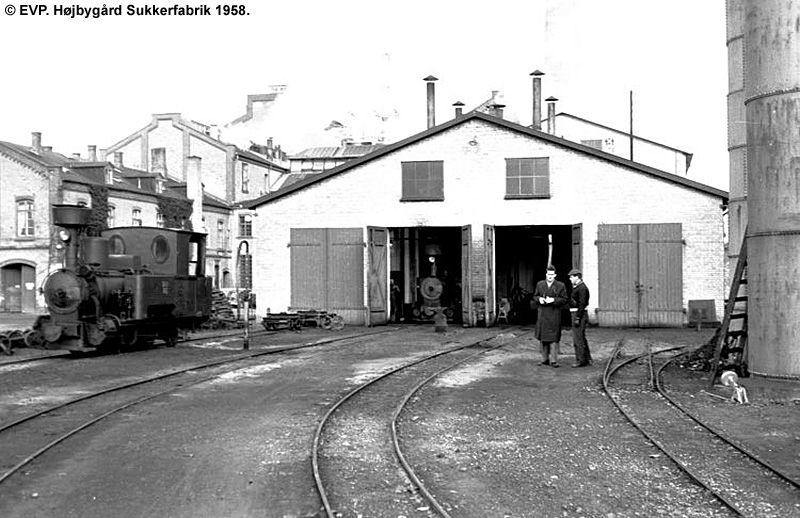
(584, 190)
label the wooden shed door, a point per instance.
(640, 269)
(377, 275)
(12, 288)
(577, 246)
(488, 247)
(327, 269)
(466, 288)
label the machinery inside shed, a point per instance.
(427, 269)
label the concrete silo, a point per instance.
(772, 108)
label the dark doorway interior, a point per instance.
(426, 270)
(522, 254)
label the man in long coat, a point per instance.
(549, 297)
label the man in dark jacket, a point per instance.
(549, 297)
(578, 301)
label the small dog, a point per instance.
(730, 379)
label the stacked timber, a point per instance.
(222, 314)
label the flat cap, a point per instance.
(575, 271)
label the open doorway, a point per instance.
(425, 273)
(522, 254)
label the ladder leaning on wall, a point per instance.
(731, 337)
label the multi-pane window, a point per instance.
(136, 217)
(423, 181)
(245, 177)
(25, 226)
(528, 177)
(159, 220)
(245, 225)
(112, 216)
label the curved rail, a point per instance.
(607, 376)
(719, 434)
(656, 385)
(195, 367)
(320, 427)
(406, 466)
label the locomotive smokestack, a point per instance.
(537, 99)
(74, 218)
(431, 101)
(194, 191)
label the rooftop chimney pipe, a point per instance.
(459, 108)
(551, 115)
(431, 101)
(497, 110)
(37, 142)
(118, 158)
(92, 153)
(537, 99)
(194, 190)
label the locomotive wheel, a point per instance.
(128, 336)
(327, 322)
(337, 323)
(33, 338)
(170, 337)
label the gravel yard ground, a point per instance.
(549, 443)
(500, 436)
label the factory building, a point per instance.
(464, 218)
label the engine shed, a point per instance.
(464, 219)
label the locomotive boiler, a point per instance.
(125, 288)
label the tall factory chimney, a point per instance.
(772, 102)
(431, 101)
(194, 191)
(537, 99)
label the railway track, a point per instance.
(43, 430)
(233, 336)
(741, 481)
(361, 430)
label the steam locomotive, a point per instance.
(106, 299)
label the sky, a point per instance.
(94, 81)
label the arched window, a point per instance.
(136, 217)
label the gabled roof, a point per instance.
(44, 159)
(609, 128)
(348, 151)
(179, 122)
(472, 116)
